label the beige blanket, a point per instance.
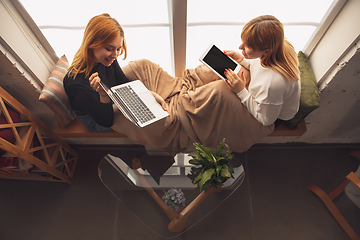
(201, 110)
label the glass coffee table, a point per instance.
(138, 178)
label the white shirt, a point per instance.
(270, 95)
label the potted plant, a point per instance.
(174, 198)
(212, 168)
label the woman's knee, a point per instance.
(146, 63)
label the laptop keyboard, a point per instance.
(135, 104)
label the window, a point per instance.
(209, 22)
(146, 32)
(148, 26)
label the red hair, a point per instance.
(267, 32)
(100, 30)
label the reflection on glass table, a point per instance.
(139, 179)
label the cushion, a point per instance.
(310, 97)
(53, 93)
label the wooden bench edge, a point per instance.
(76, 129)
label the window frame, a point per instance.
(177, 11)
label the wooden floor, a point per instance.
(273, 203)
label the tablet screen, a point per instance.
(219, 61)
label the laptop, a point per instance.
(218, 61)
(136, 102)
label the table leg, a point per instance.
(178, 224)
(171, 214)
(178, 220)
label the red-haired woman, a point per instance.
(95, 60)
(273, 93)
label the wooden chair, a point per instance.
(328, 199)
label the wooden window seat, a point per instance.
(77, 130)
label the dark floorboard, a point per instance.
(273, 203)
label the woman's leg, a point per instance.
(153, 77)
(90, 124)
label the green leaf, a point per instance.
(219, 182)
(196, 169)
(198, 177)
(221, 161)
(225, 172)
(206, 176)
(231, 170)
(206, 187)
(218, 158)
(228, 155)
(204, 151)
(220, 148)
(218, 170)
(196, 162)
(214, 158)
(196, 156)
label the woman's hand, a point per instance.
(235, 82)
(94, 81)
(234, 55)
(160, 100)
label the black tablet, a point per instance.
(218, 61)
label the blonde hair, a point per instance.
(100, 30)
(267, 32)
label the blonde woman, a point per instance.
(96, 60)
(273, 93)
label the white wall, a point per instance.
(17, 37)
(337, 120)
(24, 63)
(339, 39)
(336, 65)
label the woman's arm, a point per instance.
(119, 74)
(265, 99)
(239, 58)
(265, 113)
(89, 101)
(234, 55)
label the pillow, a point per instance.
(310, 97)
(53, 93)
